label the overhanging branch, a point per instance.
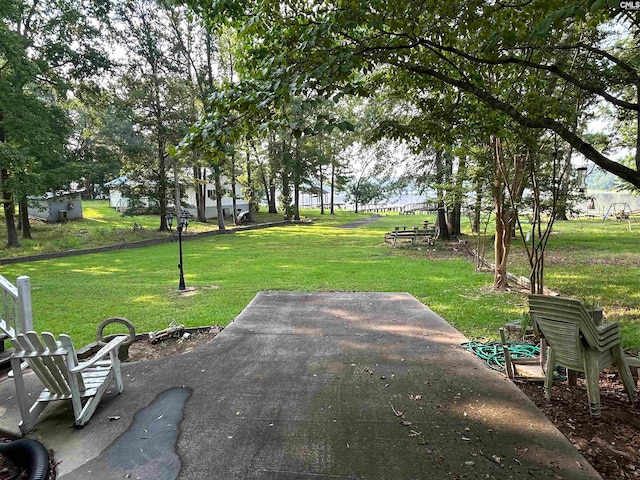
(555, 69)
(625, 173)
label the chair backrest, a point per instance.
(15, 315)
(50, 360)
(568, 310)
(564, 338)
(559, 320)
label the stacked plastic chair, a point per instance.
(577, 343)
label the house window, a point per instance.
(210, 193)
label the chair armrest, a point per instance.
(103, 352)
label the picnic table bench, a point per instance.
(428, 234)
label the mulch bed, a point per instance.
(611, 443)
(145, 350)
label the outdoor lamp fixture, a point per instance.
(183, 223)
(581, 179)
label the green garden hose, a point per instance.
(493, 354)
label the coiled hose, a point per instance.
(493, 354)
(30, 455)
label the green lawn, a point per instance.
(100, 226)
(74, 294)
(595, 261)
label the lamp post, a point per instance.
(183, 223)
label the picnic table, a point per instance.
(427, 234)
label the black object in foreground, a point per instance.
(30, 455)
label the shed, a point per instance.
(57, 206)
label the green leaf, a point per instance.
(598, 4)
(543, 27)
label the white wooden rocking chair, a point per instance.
(56, 365)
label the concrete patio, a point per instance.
(313, 385)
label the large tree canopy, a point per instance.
(45, 47)
(532, 61)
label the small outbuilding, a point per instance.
(57, 206)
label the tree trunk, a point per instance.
(23, 210)
(89, 189)
(502, 246)
(357, 197)
(477, 209)
(209, 48)
(536, 245)
(200, 176)
(504, 221)
(265, 185)
(455, 215)
(296, 182)
(251, 195)
(442, 217)
(9, 209)
(286, 195)
(270, 186)
(321, 191)
(296, 196)
(7, 199)
(564, 189)
(562, 212)
(218, 185)
(333, 187)
(269, 190)
(272, 191)
(162, 188)
(158, 112)
(233, 188)
(453, 220)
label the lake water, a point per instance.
(609, 202)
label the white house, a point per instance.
(117, 197)
(119, 200)
(242, 205)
